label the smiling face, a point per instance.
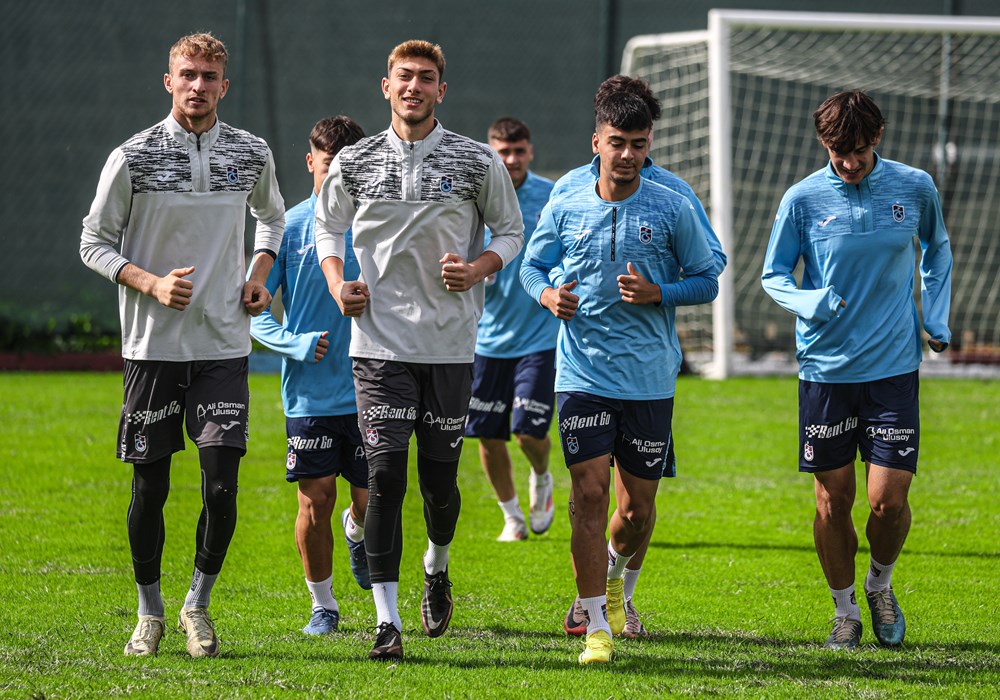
(196, 85)
(853, 166)
(413, 89)
(622, 153)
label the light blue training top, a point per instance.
(857, 244)
(513, 325)
(612, 348)
(308, 388)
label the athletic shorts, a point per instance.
(323, 445)
(880, 418)
(512, 394)
(398, 399)
(637, 434)
(210, 397)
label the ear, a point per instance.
(225, 88)
(441, 90)
(385, 88)
(878, 136)
(309, 162)
(166, 83)
(595, 139)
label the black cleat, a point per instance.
(388, 644)
(437, 605)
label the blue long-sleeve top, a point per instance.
(612, 348)
(856, 243)
(308, 388)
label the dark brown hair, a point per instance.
(508, 129)
(846, 119)
(333, 133)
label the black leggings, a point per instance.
(383, 521)
(150, 486)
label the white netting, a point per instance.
(940, 94)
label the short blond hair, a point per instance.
(418, 48)
(203, 45)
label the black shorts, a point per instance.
(326, 445)
(210, 397)
(398, 399)
(512, 395)
(881, 419)
(636, 433)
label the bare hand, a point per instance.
(255, 297)
(173, 291)
(457, 274)
(636, 289)
(322, 345)
(937, 345)
(351, 297)
(561, 301)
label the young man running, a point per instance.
(317, 389)
(417, 197)
(853, 225)
(621, 246)
(514, 373)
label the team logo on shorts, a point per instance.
(232, 175)
(645, 234)
(898, 213)
(371, 435)
(807, 452)
(290, 462)
(140, 443)
(572, 444)
(445, 184)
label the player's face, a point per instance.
(318, 163)
(413, 88)
(516, 156)
(622, 152)
(852, 167)
(196, 85)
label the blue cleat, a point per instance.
(887, 619)
(359, 559)
(323, 621)
(846, 634)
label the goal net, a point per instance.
(737, 125)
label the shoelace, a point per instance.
(884, 607)
(202, 625)
(843, 629)
(145, 631)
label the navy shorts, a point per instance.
(398, 399)
(881, 419)
(512, 395)
(637, 434)
(323, 445)
(209, 397)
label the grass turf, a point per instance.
(731, 590)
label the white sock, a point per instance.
(631, 578)
(353, 531)
(616, 562)
(386, 607)
(846, 603)
(321, 593)
(511, 509)
(150, 599)
(879, 576)
(597, 613)
(201, 589)
(436, 557)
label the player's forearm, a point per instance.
(134, 277)
(260, 267)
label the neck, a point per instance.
(195, 126)
(611, 191)
(413, 132)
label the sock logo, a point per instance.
(876, 572)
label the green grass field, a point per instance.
(731, 590)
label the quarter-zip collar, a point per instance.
(199, 148)
(871, 178)
(412, 155)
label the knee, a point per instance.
(834, 505)
(889, 507)
(386, 481)
(221, 495)
(317, 504)
(590, 496)
(637, 516)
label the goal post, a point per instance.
(737, 125)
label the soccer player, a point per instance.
(621, 246)
(317, 389)
(514, 372)
(852, 225)
(174, 196)
(575, 622)
(417, 197)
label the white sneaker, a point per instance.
(542, 511)
(513, 531)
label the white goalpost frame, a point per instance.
(717, 39)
